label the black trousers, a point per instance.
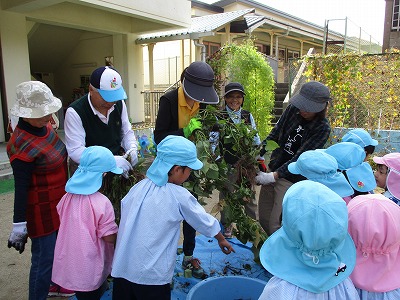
(189, 239)
(92, 295)
(125, 290)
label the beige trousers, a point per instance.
(270, 204)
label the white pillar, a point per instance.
(14, 49)
(182, 56)
(150, 50)
(128, 60)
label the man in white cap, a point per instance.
(100, 118)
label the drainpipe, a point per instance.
(203, 49)
(276, 41)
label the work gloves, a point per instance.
(265, 178)
(131, 156)
(124, 164)
(18, 237)
(193, 125)
(261, 163)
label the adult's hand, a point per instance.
(193, 125)
(123, 164)
(132, 155)
(18, 237)
(265, 178)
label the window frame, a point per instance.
(209, 46)
(396, 16)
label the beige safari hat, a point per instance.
(34, 100)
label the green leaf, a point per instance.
(271, 145)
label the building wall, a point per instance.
(15, 56)
(391, 39)
(109, 29)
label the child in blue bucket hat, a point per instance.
(323, 168)
(351, 162)
(362, 138)
(151, 216)
(312, 255)
(85, 242)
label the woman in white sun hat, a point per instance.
(39, 161)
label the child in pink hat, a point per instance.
(375, 228)
(387, 175)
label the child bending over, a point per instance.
(151, 215)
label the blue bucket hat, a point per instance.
(88, 178)
(362, 178)
(313, 249)
(172, 150)
(321, 167)
(359, 136)
(350, 158)
(347, 155)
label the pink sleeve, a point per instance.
(106, 219)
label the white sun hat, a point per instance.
(34, 100)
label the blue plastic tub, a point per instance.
(227, 288)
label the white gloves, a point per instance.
(132, 153)
(123, 164)
(18, 237)
(265, 178)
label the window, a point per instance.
(211, 48)
(293, 54)
(395, 18)
(282, 54)
(261, 48)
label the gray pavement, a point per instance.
(3, 152)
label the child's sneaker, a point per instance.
(189, 262)
(58, 291)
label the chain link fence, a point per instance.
(345, 36)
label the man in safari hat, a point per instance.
(302, 126)
(100, 118)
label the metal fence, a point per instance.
(348, 37)
(151, 101)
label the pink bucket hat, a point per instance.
(392, 161)
(375, 228)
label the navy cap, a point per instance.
(198, 83)
(234, 87)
